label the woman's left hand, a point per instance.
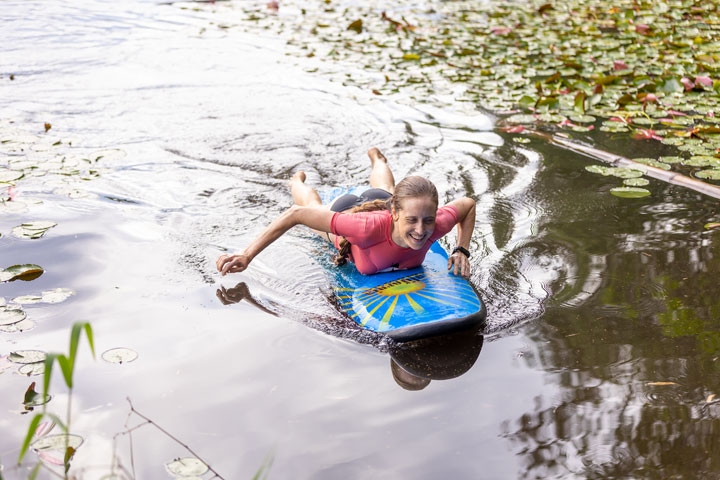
(460, 264)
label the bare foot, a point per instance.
(299, 176)
(376, 155)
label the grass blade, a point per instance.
(28, 438)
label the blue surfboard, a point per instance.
(407, 304)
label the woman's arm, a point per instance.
(317, 218)
(466, 224)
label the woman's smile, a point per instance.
(414, 222)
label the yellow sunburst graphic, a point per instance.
(414, 290)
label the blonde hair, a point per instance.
(409, 187)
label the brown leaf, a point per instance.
(661, 384)
(47, 126)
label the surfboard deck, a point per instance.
(407, 304)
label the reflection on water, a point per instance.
(600, 356)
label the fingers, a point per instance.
(231, 264)
(460, 265)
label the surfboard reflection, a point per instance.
(414, 364)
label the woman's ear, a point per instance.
(395, 214)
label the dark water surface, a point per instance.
(601, 358)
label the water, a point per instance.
(601, 353)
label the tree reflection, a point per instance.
(636, 359)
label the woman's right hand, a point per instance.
(232, 263)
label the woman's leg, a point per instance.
(302, 194)
(305, 197)
(380, 175)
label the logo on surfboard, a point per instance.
(423, 292)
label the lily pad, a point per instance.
(56, 295)
(24, 272)
(521, 140)
(522, 118)
(27, 299)
(186, 467)
(652, 163)
(582, 118)
(57, 443)
(32, 230)
(27, 356)
(702, 161)
(11, 316)
(629, 192)
(119, 355)
(32, 369)
(636, 182)
(19, 327)
(671, 159)
(713, 174)
(7, 176)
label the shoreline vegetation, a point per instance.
(640, 75)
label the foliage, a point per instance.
(638, 67)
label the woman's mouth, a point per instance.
(417, 238)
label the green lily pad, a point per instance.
(25, 272)
(7, 176)
(8, 316)
(32, 369)
(582, 118)
(58, 442)
(671, 159)
(636, 182)
(629, 192)
(186, 467)
(119, 355)
(521, 140)
(56, 295)
(652, 163)
(27, 299)
(19, 327)
(708, 174)
(522, 118)
(27, 356)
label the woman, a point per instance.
(390, 227)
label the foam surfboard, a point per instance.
(407, 304)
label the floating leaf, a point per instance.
(661, 384)
(57, 295)
(57, 442)
(7, 176)
(32, 369)
(356, 26)
(629, 192)
(18, 327)
(119, 355)
(27, 300)
(521, 140)
(671, 159)
(708, 174)
(652, 163)
(710, 398)
(32, 230)
(582, 118)
(33, 398)
(636, 182)
(186, 467)
(27, 356)
(25, 272)
(521, 118)
(11, 316)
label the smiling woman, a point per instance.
(385, 228)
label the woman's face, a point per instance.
(414, 222)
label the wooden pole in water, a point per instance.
(619, 161)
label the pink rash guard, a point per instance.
(373, 250)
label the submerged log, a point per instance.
(620, 161)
